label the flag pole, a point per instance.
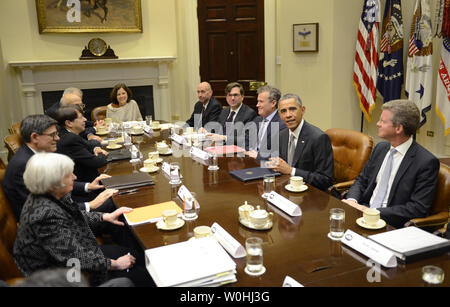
(362, 121)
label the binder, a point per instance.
(118, 155)
(254, 173)
(128, 181)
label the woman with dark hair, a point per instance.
(122, 107)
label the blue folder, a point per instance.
(254, 173)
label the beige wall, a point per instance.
(323, 79)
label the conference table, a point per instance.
(295, 246)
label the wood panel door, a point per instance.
(231, 35)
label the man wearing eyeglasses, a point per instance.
(233, 118)
(39, 134)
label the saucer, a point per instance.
(248, 224)
(102, 133)
(290, 188)
(380, 224)
(149, 170)
(155, 129)
(159, 160)
(263, 270)
(140, 133)
(168, 153)
(114, 147)
(161, 225)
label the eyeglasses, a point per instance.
(234, 95)
(82, 106)
(53, 135)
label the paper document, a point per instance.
(149, 214)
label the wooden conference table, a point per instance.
(295, 246)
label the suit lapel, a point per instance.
(301, 143)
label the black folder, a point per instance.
(128, 181)
(254, 173)
(117, 155)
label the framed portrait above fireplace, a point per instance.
(89, 16)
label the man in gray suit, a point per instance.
(400, 177)
(305, 150)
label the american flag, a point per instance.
(366, 58)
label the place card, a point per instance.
(178, 138)
(284, 204)
(370, 249)
(291, 282)
(230, 244)
(186, 196)
(197, 152)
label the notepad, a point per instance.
(222, 150)
(149, 214)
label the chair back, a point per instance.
(12, 143)
(351, 150)
(2, 164)
(8, 232)
(15, 128)
(98, 113)
(441, 201)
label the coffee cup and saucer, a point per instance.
(112, 144)
(201, 232)
(154, 155)
(163, 149)
(149, 166)
(156, 125)
(371, 219)
(137, 130)
(296, 184)
(258, 219)
(101, 130)
(170, 220)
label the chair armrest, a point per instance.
(438, 219)
(340, 189)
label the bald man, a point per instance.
(207, 108)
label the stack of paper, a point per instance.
(149, 214)
(194, 263)
(222, 150)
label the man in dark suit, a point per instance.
(74, 96)
(88, 156)
(304, 149)
(265, 143)
(207, 108)
(400, 177)
(38, 134)
(230, 126)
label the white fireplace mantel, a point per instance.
(35, 77)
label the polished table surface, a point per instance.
(294, 246)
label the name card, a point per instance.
(185, 195)
(197, 152)
(370, 249)
(178, 138)
(284, 204)
(291, 282)
(166, 168)
(230, 244)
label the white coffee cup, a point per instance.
(163, 148)
(112, 143)
(296, 182)
(189, 130)
(155, 124)
(149, 164)
(170, 217)
(259, 217)
(101, 129)
(371, 216)
(137, 129)
(202, 231)
(153, 155)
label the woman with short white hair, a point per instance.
(53, 232)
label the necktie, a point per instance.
(200, 122)
(291, 149)
(261, 132)
(229, 120)
(384, 182)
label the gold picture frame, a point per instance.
(306, 37)
(89, 16)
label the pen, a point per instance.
(128, 191)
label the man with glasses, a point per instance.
(233, 118)
(39, 134)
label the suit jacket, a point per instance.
(235, 133)
(413, 188)
(313, 158)
(52, 231)
(211, 113)
(82, 153)
(266, 148)
(15, 190)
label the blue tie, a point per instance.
(384, 182)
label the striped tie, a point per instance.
(291, 149)
(384, 182)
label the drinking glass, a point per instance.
(253, 247)
(432, 274)
(337, 220)
(268, 185)
(191, 207)
(213, 165)
(174, 173)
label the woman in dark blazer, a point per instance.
(54, 233)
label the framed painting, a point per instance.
(306, 37)
(88, 16)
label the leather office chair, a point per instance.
(351, 150)
(13, 143)
(9, 271)
(2, 164)
(15, 128)
(439, 209)
(98, 113)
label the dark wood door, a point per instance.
(231, 45)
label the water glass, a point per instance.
(432, 275)
(337, 220)
(213, 164)
(253, 247)
(148, 120)
(268, 185)
(191, 208)
(175, 173)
